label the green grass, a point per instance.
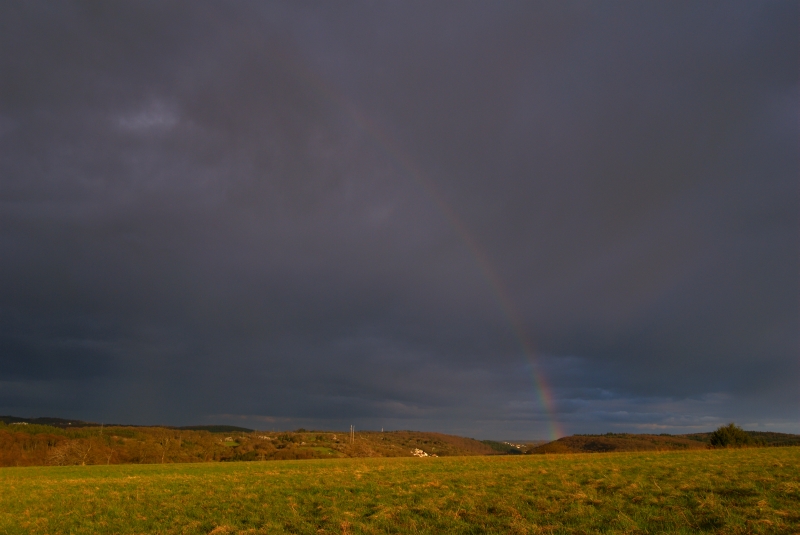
(713, 491)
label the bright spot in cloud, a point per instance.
(156, 116)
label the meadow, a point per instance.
(700, 491)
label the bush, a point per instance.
(730, 435)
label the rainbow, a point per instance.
(405, 163)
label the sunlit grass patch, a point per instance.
(712, 491)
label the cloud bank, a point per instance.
(311, 215)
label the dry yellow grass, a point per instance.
(712, 491)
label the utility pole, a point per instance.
(352, 433)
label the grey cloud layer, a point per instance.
(209, 209)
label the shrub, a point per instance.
(730, 435)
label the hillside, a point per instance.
(215, 428)
(664, 442)
(73, 424)
(53, 422)
(618, 442)
(23, 444)
(73, 442)
(764, 438)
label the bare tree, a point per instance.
(71, 452)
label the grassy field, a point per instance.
(711, 491)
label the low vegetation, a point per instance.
(726, 436)
(730, 435)
(619, 442)
(24, 444)
(70, 442)
(728, 491)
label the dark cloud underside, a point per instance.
(244, 213)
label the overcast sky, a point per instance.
(493, 219)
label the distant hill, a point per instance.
(32, 444)
(216, 428)
(513, 447)
(38, 441)
(53, 422)
(664, 442)
(766, 438)
(61, 423)
(618, 442)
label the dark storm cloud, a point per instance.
(210, 212)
